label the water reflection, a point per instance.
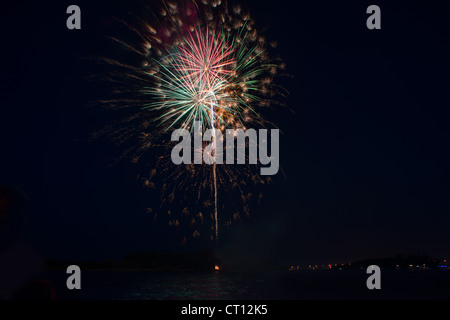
(199, 286)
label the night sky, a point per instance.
(364, 157)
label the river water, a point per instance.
(302, 285)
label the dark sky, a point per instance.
(365, 155)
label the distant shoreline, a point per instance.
(207, 261)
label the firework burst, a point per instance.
(199, 62)
(208, 76)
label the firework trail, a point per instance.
(198, 61)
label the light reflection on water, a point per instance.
(201, 286)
